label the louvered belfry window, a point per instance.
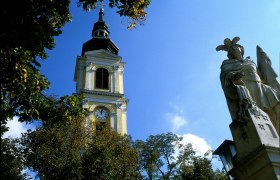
(102, 78)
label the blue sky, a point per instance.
(172, 73)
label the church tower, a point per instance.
(99, 76)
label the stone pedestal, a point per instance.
(257, 146)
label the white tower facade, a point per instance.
(99, 77)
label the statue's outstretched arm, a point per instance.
(267, 73)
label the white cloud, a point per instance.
(15, 128)
(199, 144)
(176, 118)
(177, 121)
(176, 107)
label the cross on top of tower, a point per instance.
(101, 13)
(101, 5)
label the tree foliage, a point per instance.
(135, 10)
(54, 150)
(70, 151)
(110, 155)
(11, 160)
(162, 155)
(26, 34)
(199, 168)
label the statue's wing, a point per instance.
(267, 73)
(235, 40)
(221, 47)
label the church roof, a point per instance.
(100, 37)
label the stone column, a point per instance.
(88, 76)
(116, 88)
(120, 70)
(124, 125)
(119, 118)
(113, 121)
(93, 77)
(111, 81)
(80, 77)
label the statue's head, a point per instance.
(234, 50)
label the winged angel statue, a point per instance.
(246, 84)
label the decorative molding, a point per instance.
(108, 106)
(90, 66)
(108, 67)
(124, 108)
(120, 69)
(89, 63)
(116, 67)
(84, 101)
(121, 106)
(91, 108)
(113, 114)
(103, 100)
(102, 54)
(118, 105)
(102, 93)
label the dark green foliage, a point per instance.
(33, 25)
(21, 86)
(199, 168)
(133, 9)
(162, 155)
(220, 175)
(11, 160)
(53, 150)
(26, 33)
(70, 151)
(110, 155)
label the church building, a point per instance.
(99, 77)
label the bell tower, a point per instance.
(99, 76)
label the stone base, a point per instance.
(253, 131)
(263, 164)
(258, 147)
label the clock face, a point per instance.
(101, 113)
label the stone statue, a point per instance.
(245, 84)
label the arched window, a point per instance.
(102, 78)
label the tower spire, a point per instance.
(100, 36)
(100, 28)
(101, 15)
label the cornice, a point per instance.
(102, 93)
